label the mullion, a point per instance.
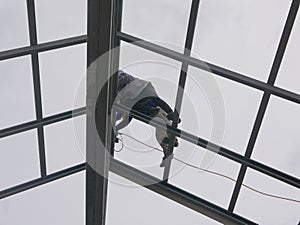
(265, 99)
(197, 63)
(36, 85)
(181, 84)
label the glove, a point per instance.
(119, 116)
(170, 116)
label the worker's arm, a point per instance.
(126, 120)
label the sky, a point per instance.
(239, 35)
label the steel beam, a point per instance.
(231, 75)
(265, 99)
(42, 47)
(176, 194)
(40, 181)
(45, 121)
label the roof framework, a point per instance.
(105, 33)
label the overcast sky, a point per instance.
(239, 35)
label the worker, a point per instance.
(140, 95)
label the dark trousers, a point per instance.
(146, 106)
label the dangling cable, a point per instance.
(212, 172)
(122, 143)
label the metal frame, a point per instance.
(104, 32)
(42, 47)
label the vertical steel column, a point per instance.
(102, 25)
(265, 99)
(180, 91)
(36, 85)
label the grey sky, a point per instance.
(238, 35)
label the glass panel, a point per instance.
(218, 101)
(16, 92)
(62, 148)
(288, 75)
(59, 202)
(240, 35)
(58, 19)
(204, 184)
(19, 160)
(267, 210)
(63, 77)
(151, 21)
(278, 141)
(128, 205)
(13, 22)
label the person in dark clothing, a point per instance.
(140, 95)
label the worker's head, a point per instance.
(123, 80)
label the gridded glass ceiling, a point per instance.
(241, 36)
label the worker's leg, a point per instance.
(162, 104)
(150, 109)
(163, 135)
(145, 107)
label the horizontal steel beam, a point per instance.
(42, 47)
(176, 194)
(234, 76)
(40, 181)
(45, 121)
(215, 148)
